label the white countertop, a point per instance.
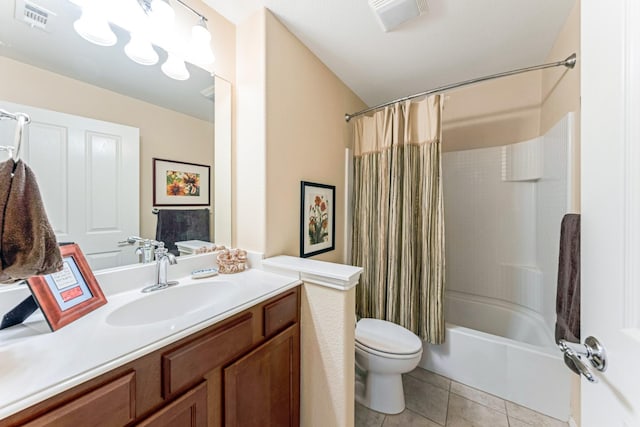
(341, 277)
(36, 364)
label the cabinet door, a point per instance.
(190, 410)
(263, 388)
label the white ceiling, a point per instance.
(455, 40)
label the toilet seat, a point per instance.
(386, 339)
(386, 355)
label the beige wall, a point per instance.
(495, 112)
(163, 133)
(561, 90)
(516, 108)
(249, 154)
(290, 128)
(327, 346)
(306, 137)
(223, 37)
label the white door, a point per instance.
(610, 39)
(88, 174)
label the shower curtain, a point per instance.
(398, 223)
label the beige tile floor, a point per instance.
(435, 401)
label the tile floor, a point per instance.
(435, 401)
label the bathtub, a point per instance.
(503, 349)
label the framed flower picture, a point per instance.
(317, 218)
(181, 183)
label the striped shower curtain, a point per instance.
(398, 224)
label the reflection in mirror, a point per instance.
(99, 119)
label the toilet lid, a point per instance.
(387, 337)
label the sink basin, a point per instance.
(173, 302)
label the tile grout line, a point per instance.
(482, 404)
(448, 389)
(446, 417)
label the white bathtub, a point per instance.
(503, 349)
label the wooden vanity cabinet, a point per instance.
(243, 371)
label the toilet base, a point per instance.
(383, 393)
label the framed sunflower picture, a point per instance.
(181, 183)
(317, 218)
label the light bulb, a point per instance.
(139, 50)
(161, 23)
(200, 46)
(200, 33)
(93, 27)
(175, 68)
(162, 12)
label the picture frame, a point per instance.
(69, 294)
(317, 218)
(181, 183)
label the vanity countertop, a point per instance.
(36, 364)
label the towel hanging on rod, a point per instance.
(22, 119)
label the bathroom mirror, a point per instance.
(175, 118)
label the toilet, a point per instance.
(384, 351)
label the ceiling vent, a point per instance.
(34, 15)
(392, 13)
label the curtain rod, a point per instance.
(570, 62)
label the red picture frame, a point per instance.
(69, 294)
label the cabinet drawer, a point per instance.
(112, 404)
(188, 364)
(280, 313)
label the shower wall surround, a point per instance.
(503, 207)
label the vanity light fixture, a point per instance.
(200, 47)
(160, 19)
(92, 25)
(175, 68)
(162, 12)
(140, 50)
(150, 22)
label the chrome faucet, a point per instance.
(145, 249)
(163, 260)
(145, 252)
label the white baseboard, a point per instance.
(572, 422)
